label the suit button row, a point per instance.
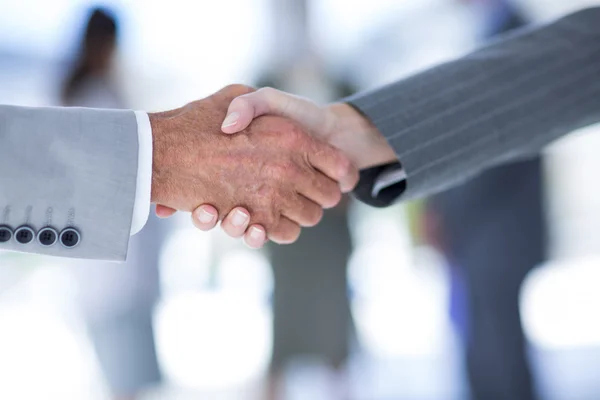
(47, 236)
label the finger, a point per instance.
(286, 231)
(244, 109)
(164, 211)
(255, 237)
(317, 188)
(236, 222)
(205, 217)
(305, 212)
(335, 164)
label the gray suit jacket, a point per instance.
(73, 170)
(503, 102)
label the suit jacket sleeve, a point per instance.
(503, 102)
(68, 168)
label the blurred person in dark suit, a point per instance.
(490, 246)
(117, 299)
(311, 309)
(312, 319)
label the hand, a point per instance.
(339, 124)
(280, 174)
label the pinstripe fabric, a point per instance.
(503, 102)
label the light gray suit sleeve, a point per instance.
(503, 102)
(68, 168)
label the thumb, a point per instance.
(244, 109)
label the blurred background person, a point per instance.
(90, 83)
(312, 319)
(492, 231)
(117, 299)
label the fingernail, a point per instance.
(205, 217)
(344, 188)
(239, 218)
(256, 233)
(231, 120)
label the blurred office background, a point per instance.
(212, 323)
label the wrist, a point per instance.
(158, 122)
(356, 135)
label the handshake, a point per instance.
(264, 178)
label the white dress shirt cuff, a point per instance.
(141, 208)
(389, 177)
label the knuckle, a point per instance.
(279, 170)
(288, 237)
(315, 218)
(345, 167)
(266, 217)
(292, 236)
(270, 221)
(291, 135)
(237, 89)
(267, 92)
(275, 171)
(265, 199)
(333, 198)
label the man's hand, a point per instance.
(282, 176)
(338, 124)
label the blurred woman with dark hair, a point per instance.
(88, 83)
(117, 299)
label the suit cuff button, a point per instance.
(5, 234)
(24, 234)
(47, 236)
(70, 238)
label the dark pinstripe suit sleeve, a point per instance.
(503, 102)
